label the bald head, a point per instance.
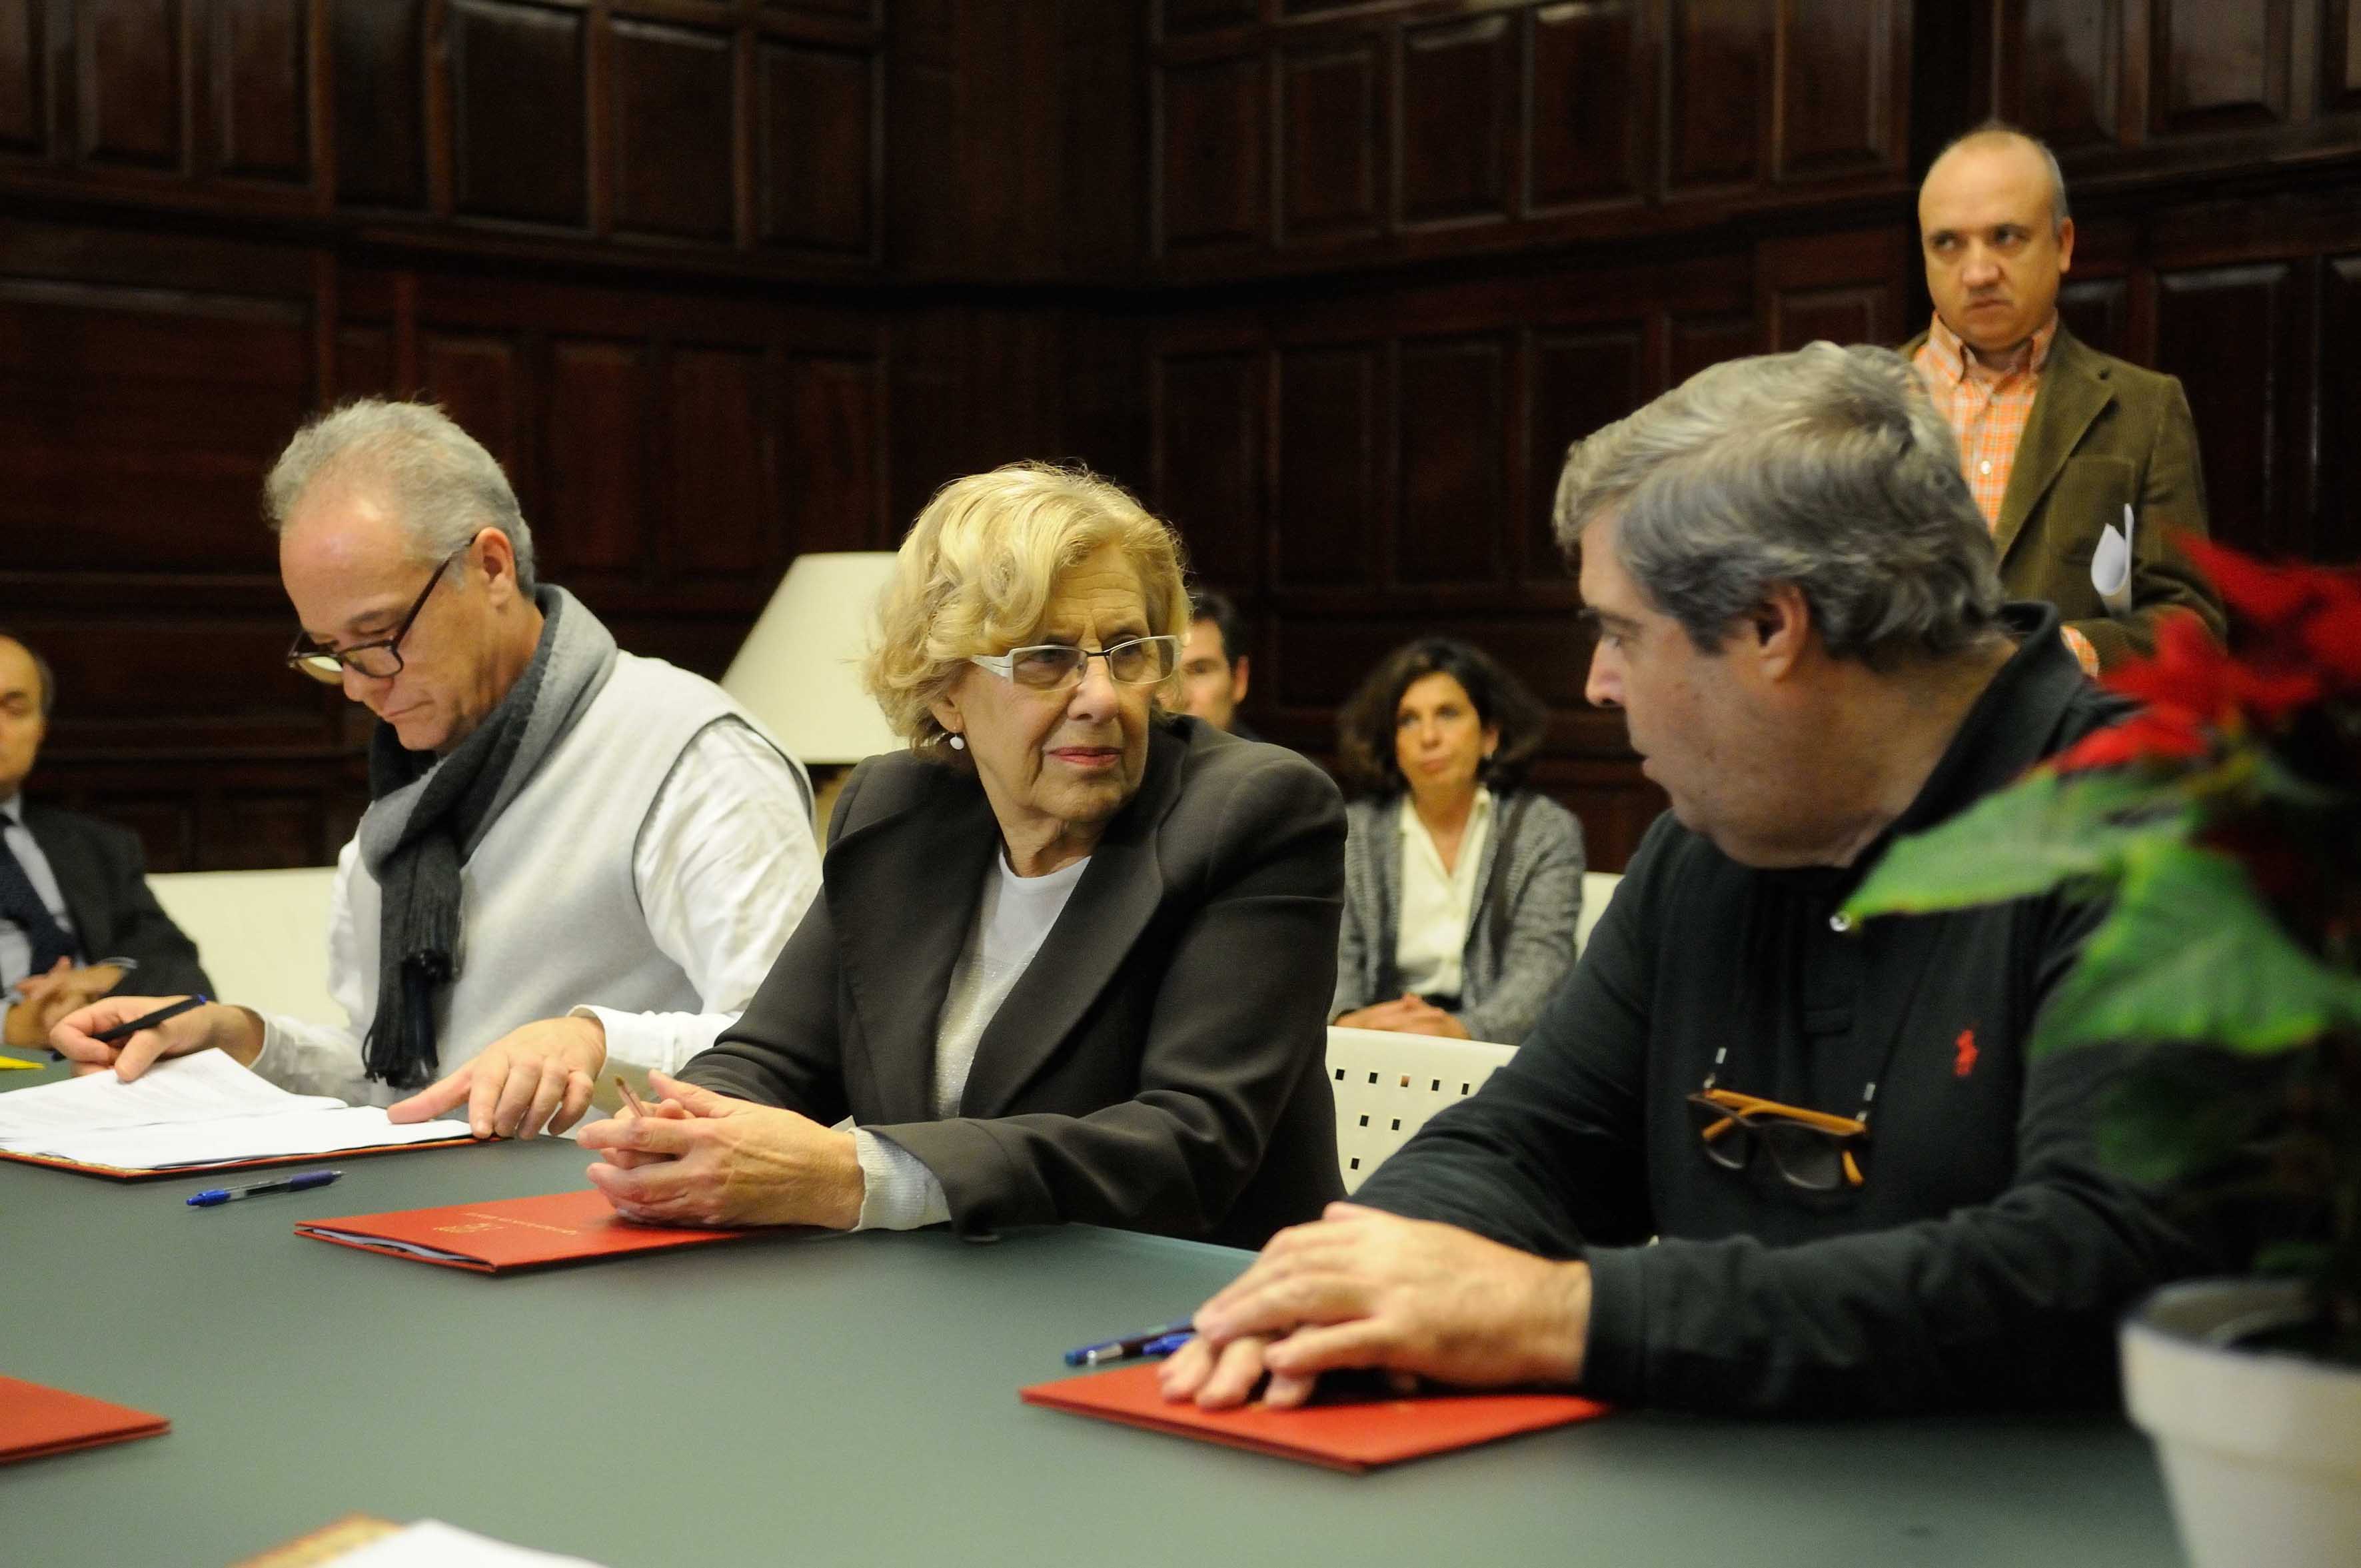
(1997, 242)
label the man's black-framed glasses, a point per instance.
(378, 661)
(1054, 666)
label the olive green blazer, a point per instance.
(2104, 433)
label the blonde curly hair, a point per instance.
(976, 573)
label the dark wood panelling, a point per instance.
(819, 149)
(2217, 66)
(364, 362)
(1200, 15)
(2066, 90)
(673, 88)
(1845, 288)
(475, 379)
(1459, 121)
(597, 423)
(24, 73)
(2232, 334)
(136, 423)
(1716, 87)
(129, 83)
(721, 516)
(1581, 381)
(380, 102)
(1211, 410)
(2337, 493)
(832, 433)
(1327, 466)
(1329, 146)
(1699, 340)
(1213, 156)
(1451, 429)
(519, 132)
(860, 11)
(1587, 123)
(261, 88)
(2098, 311)
(2340, 56)
(1837, 87)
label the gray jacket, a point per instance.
(1520, 941)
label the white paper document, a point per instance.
(2111, 567)
(431, 1543)
(194, 1110)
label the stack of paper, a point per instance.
(199, 1110)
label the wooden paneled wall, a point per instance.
(1332, 283)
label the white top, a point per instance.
(1436, 905)
(1012, 921)
(659, 859)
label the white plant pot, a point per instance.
(2261, 1449)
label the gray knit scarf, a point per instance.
(427, 814)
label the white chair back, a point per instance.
(1387, 1085)
(262, 936)
(1597, 887)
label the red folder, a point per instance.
(1353, 1435)
(511, 1235)
(35, 1422)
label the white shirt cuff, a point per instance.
(900, 1193)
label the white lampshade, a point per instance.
(799, 672)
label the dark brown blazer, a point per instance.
(2103, 433)
(1160, 1066)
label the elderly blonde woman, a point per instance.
(1072, 956)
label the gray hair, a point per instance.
(2002, 131)
(440, 483)
(1827, 468)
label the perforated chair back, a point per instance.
(1387, 1085)
(1597, 888)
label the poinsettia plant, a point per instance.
(2221, 819)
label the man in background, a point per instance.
(1214, 663)
(76, 916)
(2056, 440)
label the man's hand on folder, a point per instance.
(217, 1025)
(703, 1158)
(539, 1075)
(1361, 1287)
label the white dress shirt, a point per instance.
(1012, 921)
(1437, 904)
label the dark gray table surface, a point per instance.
(854, 1400)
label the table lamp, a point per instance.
(799, 671)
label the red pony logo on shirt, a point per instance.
(1964, 1060)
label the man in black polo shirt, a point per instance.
(1798, 611)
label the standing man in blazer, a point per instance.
(2056, 438)
(75, 913)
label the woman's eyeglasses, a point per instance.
(1054, 666)
(1810, 1149)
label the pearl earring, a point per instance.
(959, 743)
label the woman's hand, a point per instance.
(719, 1161)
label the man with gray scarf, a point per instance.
(558, 830)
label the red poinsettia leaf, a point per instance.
(2331, 634)
(2256, 590)
(2153, 734)
(2190, 671)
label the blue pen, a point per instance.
(1167, 1344)
(1127, 1347)
(303, 1181)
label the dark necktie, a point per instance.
(20, 901)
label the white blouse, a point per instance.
(1437, 905)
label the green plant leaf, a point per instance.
(2182, 1111)
(2040, 833)
(2190, 953)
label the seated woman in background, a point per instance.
(1072, 956)
(1461, 890)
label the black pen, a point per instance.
(149, 1021)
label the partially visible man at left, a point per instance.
(558, 830)
(76, 916)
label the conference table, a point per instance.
(852, 1400)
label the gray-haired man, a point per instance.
(1798, 612)
(553, 822)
